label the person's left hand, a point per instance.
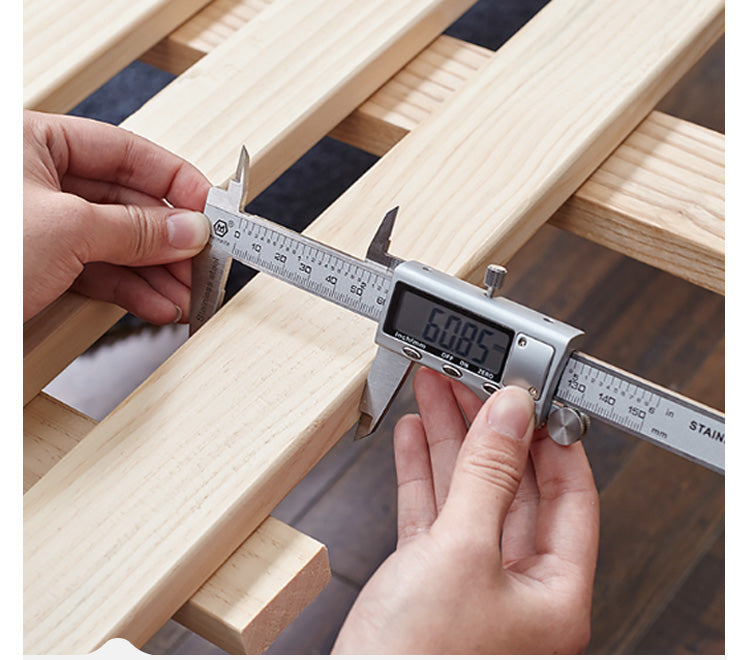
(110, 215)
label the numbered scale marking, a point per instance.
(644, 409)
(357, 285)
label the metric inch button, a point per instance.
(452, 371)
(412, 353)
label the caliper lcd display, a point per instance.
(455, 335)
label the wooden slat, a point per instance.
(50, 430)
(659, 198)
(412, 95)
(664, 192)
(259, 590)
(259, 56)
(254, 90)
(71, 47)
(207, 30)
(274, 574)
(241, 412)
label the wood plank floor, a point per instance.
(660, 578)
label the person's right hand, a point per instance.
(450, 587)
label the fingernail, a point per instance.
(511, 412)
(178, 316)
(187, 230)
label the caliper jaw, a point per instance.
(388, 370)
(210, 268)
(387, 373)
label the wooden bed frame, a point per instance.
(162, 508)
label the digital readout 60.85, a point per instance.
(453, 334)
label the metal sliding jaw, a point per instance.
(210, 268)
(388, 370)
(387, 373)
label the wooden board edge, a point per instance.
(298, 571)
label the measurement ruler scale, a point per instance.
(431, 318)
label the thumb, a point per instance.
(131, 235)
(489, 466)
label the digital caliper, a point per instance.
(430, 318)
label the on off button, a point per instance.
(452, 371)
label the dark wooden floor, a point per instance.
(660, 577)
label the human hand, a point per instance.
(451, 586)
(96, 218)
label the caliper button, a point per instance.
(452, 371)
(412, 353)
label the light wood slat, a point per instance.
(266, 582)
(253, 89)
(208, 29)
(71, 47)
(412, 95)
(257, 592)
(664, 192)
(249, 404)
(383, 119)
(659, 198)
(50, 430)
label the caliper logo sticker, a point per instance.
(220, 228)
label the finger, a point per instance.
(568, 515)
(490, 467)
(127, 289)
(470, 403)
(444, 426)
(519, 530)
(181, 270)
(140, 235)
(416, 497)
(163, 282)
(103, 192)
(95, 150)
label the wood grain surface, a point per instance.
(274, 574)
(71, 47)
(203, 32)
